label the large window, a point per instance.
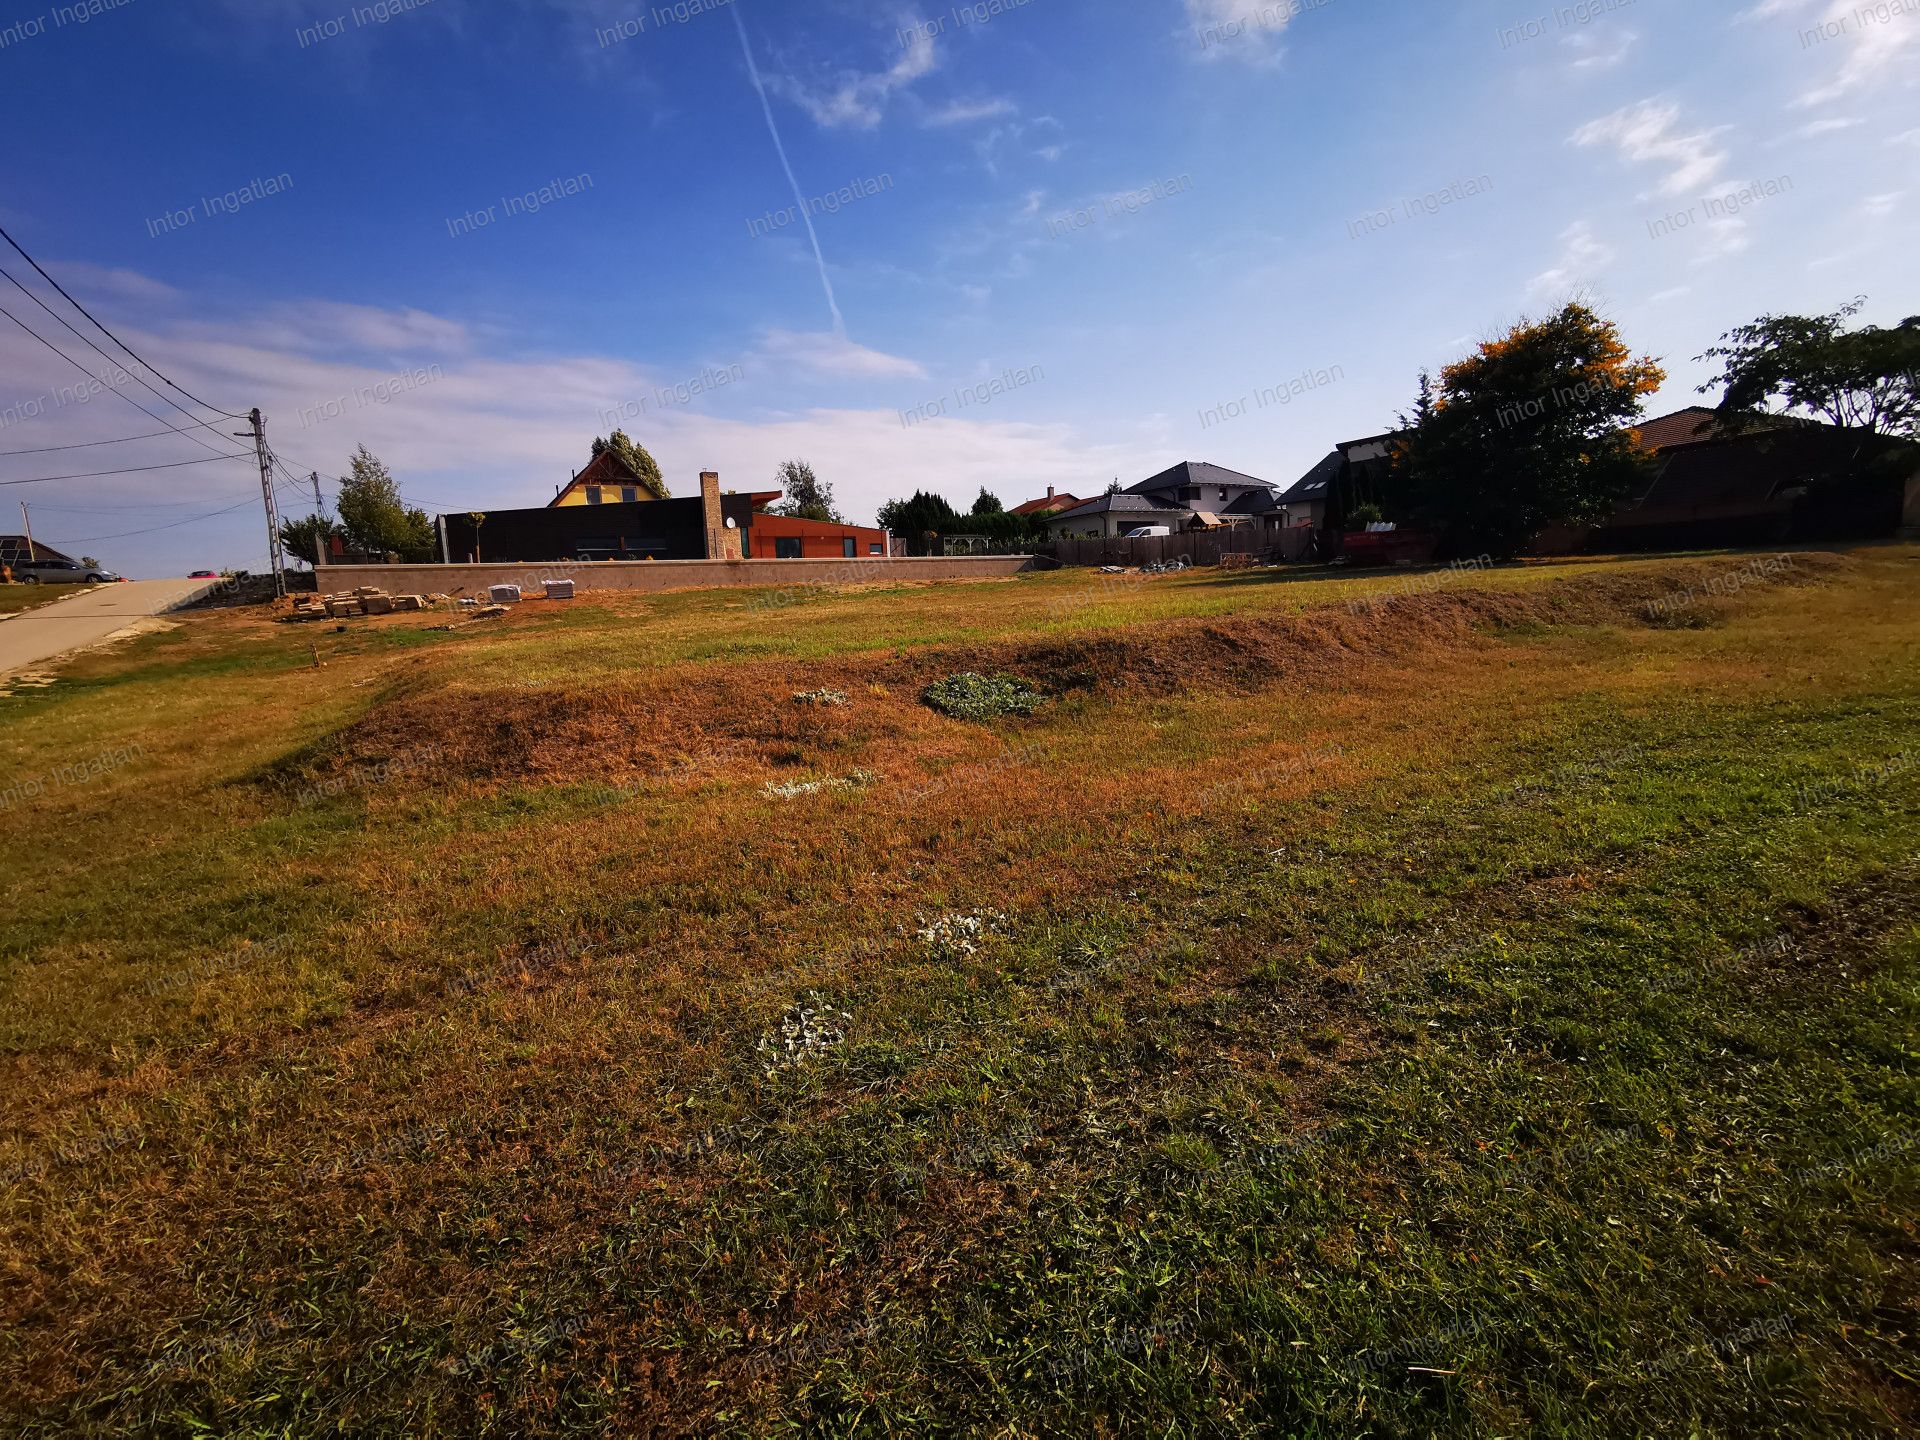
(593, 494)
(786, 547)
(629, 494)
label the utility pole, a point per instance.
(318, 508)
(266, 494)
(27, 521)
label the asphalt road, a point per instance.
(36, 636)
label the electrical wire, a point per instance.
(154, 530)
(134, 470)
(115, 364)
(108, 333)
(98, 381)
(90, 444)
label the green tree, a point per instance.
(374, 517)
(988, 503)
(808, 497)
(635, 457)
(921, 521)
(301, 537)
(1813, 366)
(1531, 430)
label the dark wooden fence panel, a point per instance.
(1203, 547)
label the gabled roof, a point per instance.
(13, 551)
(1682, 427)
(1047, 503)
(1194, 472)
(1124, 502)
(606, 468)
(1317, 482)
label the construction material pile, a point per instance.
(366, 600)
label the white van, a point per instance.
(1149, 532)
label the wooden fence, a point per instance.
(1201, 547)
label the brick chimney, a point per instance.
(722, 543)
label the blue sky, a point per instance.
(1150, 212)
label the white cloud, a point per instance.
(1589, 54)
(1722, 238)
(1648, 133)
(965, 112)
(1247, 30)
(498, 431)
(1880, 205)
(106, 280)
(331, 324)
(1832, 125)
(822, 352)
(1876, 46)
(858, 101)
(1910, 137)
(1581, 254)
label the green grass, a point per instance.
(1511, 1036)
(16, 598)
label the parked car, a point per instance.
(61, 572)
(204, 575)
(1149, 532)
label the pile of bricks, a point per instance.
(367, 600)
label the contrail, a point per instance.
(800, 201)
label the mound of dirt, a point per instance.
(701, 722)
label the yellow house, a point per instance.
(607, 480)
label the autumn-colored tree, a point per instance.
(1531, 430)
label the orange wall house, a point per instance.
(777, 537)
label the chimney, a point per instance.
(1049, 492)
(722, 543)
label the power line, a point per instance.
(155, 529)
(108, 333)
(119, 509)
(90, 444)
(133, 470)
(97, 380)
(163, 399)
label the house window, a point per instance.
(629, 495)
(786, 547)
(593, 494)
(849, 547)
(874, 547)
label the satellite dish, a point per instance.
(733, 524)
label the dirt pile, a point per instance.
(707, 721)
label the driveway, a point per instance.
(35, 636)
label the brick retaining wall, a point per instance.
(655, 576)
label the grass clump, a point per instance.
(971, 696)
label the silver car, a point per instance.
(61, 572)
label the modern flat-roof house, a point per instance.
(1192, 495)
(586, 522)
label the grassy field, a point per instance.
(1481, 1005)
(15, 598)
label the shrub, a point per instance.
(982, 697)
